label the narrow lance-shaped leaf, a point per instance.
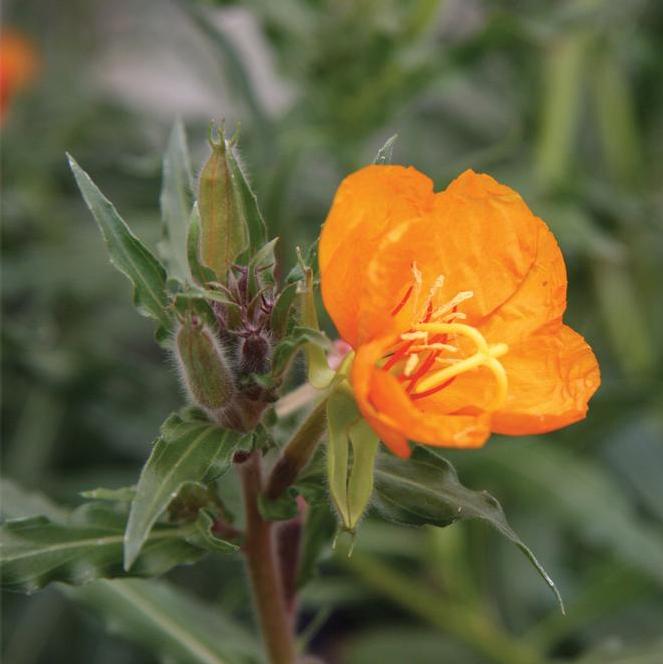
(187, 452)
(127, 253)
(87, 546)
(176, 201)
(425, 489)
(168, 622)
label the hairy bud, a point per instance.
(224, 232)
(204, 368)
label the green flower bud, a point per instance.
(223, 226)
(203, 367)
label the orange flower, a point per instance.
(18, 65)
(453, 302)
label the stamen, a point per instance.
(403, 302)
(411, 365)
(413, 336)
(453, 302)
(434, 346)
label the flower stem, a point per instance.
(260, 552)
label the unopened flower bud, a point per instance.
(204, 368)
(224, 231)
(255, 352)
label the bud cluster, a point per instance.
(226, 356)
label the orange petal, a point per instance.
(367, 205)
(480, 235)
(388, 409)
(552, 375)
(540, 299)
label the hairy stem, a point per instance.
(261, 560)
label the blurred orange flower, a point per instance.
(18, 66)
(453, 302)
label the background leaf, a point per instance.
(37, 551)
(425, 489)
(167, 621)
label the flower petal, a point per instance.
(384, 403)
(540, 298)
(552, 375)
(368, 204)
(480, 236)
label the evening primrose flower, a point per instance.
(18, 66)
(453, 303)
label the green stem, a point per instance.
(261, 561)
(297, 453)
(466, 624)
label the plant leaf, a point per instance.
(201, 273)
(287, 348)
(425, 489)
(87, 546)
(176, 201)
(127, 253)
(187, 452)
(205, 538)
(165, 620)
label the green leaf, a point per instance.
(287, 348)
(168, 622)
(201, 273)
(37, 550)
(425, 489)
(562, 484)
(127, 253)
(18, 503)
(186, 452)
(205, 538)
(176, 201)
(386, 152)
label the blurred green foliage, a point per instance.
(560, 100)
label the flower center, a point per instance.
(435, 350)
